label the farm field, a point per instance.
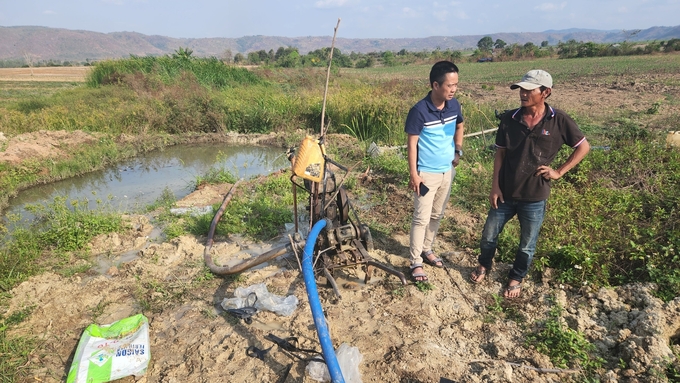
(453, 330)
(51, 74)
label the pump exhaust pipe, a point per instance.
(245, 265)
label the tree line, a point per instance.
(573, 49)
(290, 57)
(487, 50)
(500, 50)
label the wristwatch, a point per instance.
(459, 152)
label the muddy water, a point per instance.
(136, 183)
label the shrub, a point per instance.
(614, 220)
(208, 71)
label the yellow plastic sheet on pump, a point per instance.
(309, 161)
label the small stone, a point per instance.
(629, 372)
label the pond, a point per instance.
(136, 183)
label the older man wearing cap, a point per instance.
(527, 141)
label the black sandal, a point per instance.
(416, 275)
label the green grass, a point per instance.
(260, 213)
(505, 73)
(14, 92)
(392, 164)
(14, 354)
(259, 209)
(14, 351)
(215, 176)
(61, 228)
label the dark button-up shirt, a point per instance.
(527, 149)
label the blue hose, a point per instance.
(315, 304)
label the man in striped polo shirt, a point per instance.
(435, 144)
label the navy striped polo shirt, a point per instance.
(435, 128)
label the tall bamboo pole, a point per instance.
(328, 76)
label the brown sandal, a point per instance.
(509, 288)
(477, 273)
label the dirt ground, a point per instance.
(40, 145)
(459, 331)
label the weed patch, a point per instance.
(392, 164)
(424, 287)
(60, 227)
(259, 213)
(14, 351)
(208, 72)
(566, 348)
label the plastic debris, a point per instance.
(349, 358)
(194, 211)
(265, 300)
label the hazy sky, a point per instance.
(360, 18)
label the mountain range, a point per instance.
(42, 43)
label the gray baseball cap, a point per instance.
(534, 79)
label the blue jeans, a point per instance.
(530, 216)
